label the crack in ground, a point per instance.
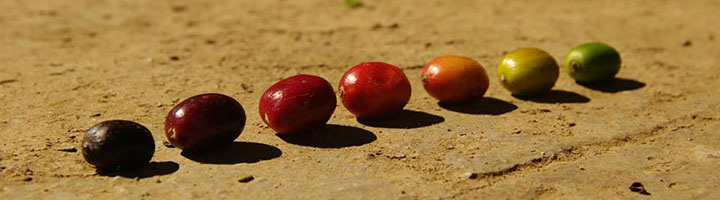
(567, 154)
(575, 153)
(579, 152)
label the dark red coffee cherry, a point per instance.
(298, 103)
(118, 145)
(204, 122)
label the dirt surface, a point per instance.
(68, 64)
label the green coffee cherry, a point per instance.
(528, 72)
(592, 62)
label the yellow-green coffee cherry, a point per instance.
(592, 62)
(528, 72)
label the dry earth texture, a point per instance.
(68, 64)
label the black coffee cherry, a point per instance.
(118, 145)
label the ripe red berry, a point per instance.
(455, 79)
(204, 122)
(118, 145)
(374, 89)
(298, 103)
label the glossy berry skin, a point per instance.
(528, 72)
(374, 89)
(455, 79)
(592, 62)
(297, 104)
(118, 145)
(204, 122)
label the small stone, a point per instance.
(469, 175)
(26, 179)
(638, 188)
(571, 124)
(687, 43)
(246, 179)
(167, 144)
(246, 88)
(414, 156)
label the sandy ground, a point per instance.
(68, 64)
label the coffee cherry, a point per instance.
(118, 145)
(297, 104)
(204, 122)
(374, 89)
(528, 72)
(455, 79)
(592, 62)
